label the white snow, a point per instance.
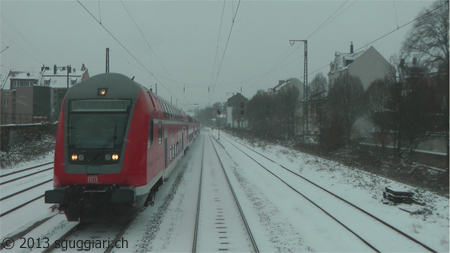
(280, 220)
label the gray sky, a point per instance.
(184, 38)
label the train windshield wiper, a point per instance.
(107, 143)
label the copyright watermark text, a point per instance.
(44, 243)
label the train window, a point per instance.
(104, 105)
(160, 132)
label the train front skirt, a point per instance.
(89, 203)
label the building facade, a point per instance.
(234, 103)
(367, 65)
(27, 97)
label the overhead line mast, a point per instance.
(305, 85)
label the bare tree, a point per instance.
(376, 100)
(343, 106)
(259, 114)
(428, 39)
(287, 102)
(319, 87)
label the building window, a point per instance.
(47, 82)
(6, 103)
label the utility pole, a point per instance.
(107, 60)
(69, 70)
(305, 86)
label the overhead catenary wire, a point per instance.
(348, 7)
(218, 42)
(323, 23)
(226, 47)
(387, 34)
(145, 39)
(23, 37)
(281, 60)
(126, 49)
(20, 48)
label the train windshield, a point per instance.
(97, 124)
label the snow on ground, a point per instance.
(45, 159)
(279, 221)
(430, 225)
(14, 221)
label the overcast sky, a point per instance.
(181, 44)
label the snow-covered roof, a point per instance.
(24, 75)
(342, 60)
(58, 80)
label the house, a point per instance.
(27, 97)
(367, 65)
(235, 102)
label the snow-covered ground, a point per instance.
(280, 220)
(430, 225)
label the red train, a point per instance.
(116, 144)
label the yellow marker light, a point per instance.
(74, 157)
(115, 157)
(102, 91)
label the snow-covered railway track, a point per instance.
(24, 188)
(368, 233)
(220, 222)
(22, 174)
(25, 230)
(36, 167)
(93, 236)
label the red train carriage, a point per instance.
(116, 143)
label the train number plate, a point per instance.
(92, 180)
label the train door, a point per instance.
(165, 149)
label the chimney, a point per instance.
(54, 69)
(351, 47)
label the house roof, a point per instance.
(58, 80)
(236, 100)
(342, 60)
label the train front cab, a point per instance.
(100, 167)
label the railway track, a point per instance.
(220, 222)
(26, 230)
(12, 177)
(26, 169)
(24, 190)
(92, 236)
(289, 174)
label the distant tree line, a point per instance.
(406, 108)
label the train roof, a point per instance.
(117, 85)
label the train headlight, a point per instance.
(102, 91)
(115, 157)
(107, 157)
(74, 157)
(81, 157)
